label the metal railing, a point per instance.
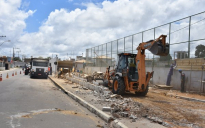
(182, 35)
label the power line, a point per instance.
(187, 26)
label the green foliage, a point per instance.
(200, 51)
(165, 58)
(40, 57)
(16, 59)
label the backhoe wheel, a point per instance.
(118, 86)
(105, 83)
(143, 93)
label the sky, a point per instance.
(66, 27)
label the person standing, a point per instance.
(182, 80)
(169, 75)
(49, 70)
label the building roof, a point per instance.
(102, 57)
(82, 61)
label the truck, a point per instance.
(39, 68)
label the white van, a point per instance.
(39, 68)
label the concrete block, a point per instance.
(107, 109)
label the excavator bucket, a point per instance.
(159, 49)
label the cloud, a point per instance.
(12, 23)
(74, 31)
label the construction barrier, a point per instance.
(7, 76)
(1, 77)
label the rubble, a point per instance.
(124, 114)
(85, 88)
(133, 109)
(107, 109)
(75, 87)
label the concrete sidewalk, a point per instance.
(89, 94)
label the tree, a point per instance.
(40, 57)
(165, 58)
(200, 51)
(16, 59)
(48, 58)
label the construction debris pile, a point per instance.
(118, 106)
(94, 76)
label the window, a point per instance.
(41, 64)
(122, 63)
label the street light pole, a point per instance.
(14, 52)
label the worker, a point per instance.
(131, 63)
(182, 80)
(170, 75)
(59, 73)
(49, 70)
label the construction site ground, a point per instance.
(160, 108)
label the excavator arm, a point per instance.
(156, 47)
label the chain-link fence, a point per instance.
(183, 35)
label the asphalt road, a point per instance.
(37, 103)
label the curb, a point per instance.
(93, 109)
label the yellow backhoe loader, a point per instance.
(130, 74)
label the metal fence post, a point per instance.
(153, 60)
(189, 37)
(202, 88)
(92, 56)
(124, 44)
(101, 56)
(106, 53)
(169, 32)
(132, 44)
(117, 47)
(169, 38)
(111, 53)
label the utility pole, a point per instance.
(13, 53)
(18, 53)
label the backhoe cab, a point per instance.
(130, 74)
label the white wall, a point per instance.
(79, 66)
(2, 68)
(90, 70)
(192, 78)
(54, 67)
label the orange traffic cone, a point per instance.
(7, 76)
(15, 73)
(12, 74)
(1, 77)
